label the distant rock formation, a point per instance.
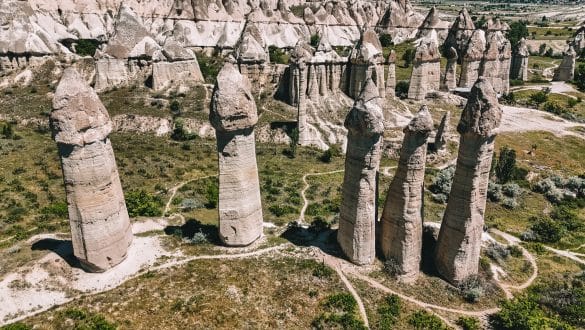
(441, 138)
(391, 77)
(433, 22)
(252, 56)
(233, 115)
(460, 33)
(495, 65)
(566, 70)
(472, 58)
(366, 61)
(520, 62)
(449, 79)
(100, 227)
(459, 242)
(400, 20)
(402, 220)
(358, 214)
(426, 72)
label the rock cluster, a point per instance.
(426, 72)
(400, 20)
(496, 61)
(460, 33)
(472, 58)
(566, 70)
(402, 220)
(233, 115)
(433, 22)
(440, 137)
(366, 60)
(459, 242)
(520, 62)
(449, 78)
(100, 227)
(358, 213)
(391, 75)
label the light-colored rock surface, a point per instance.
(495, 64)
(391, 76)
(233, 115)
(472, 57)
(175, 74)
(460, 33)
(400, 20)
(449, 78)
(402, 219)
(100, 227)
(459, 243)
(433, 22)
(366, 61)
(566, 70)
(358, 214)
(426, 72)
(520, 62)
(442, 130)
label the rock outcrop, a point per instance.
(460, 33)
(449, 79)
(233, 115)
(495, 65)
(459, 242)
(402, 220)
(520, 62)
(100, 227)
(566, 70)
(391, 76)
(252, 56)
(366, 61)
(433, 22)
(426, 72)
(358, 214)
(400, 20)
(472, 58)
(440, 137)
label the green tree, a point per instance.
(518, 30)
(580, 77)
(506, 164)
(538, 98)
(386, 40)
(294, 142)
(408, 57)
(315, 39)
(141, 203)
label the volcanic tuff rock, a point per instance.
(426, 72)
(233, 115)
(440, 138)
(472, 58)
(391, 78)
(460, 33)
(402, 220)
(566, 70)
(520, 62)
(400, 20)
(358, 214)
(459, 243)
(433, 22)
(366, 61)
(495, 65)
(100, 227)
(449, 79)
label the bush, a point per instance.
(277, 55)
(56, 210)
(341, 313)
(538, 98)
(386, 40)
(86, 47)
(16, 326)
(180, 133)
(511, 190)
(509, 98)
(83, 319)
(442, 182)
(516, 82)
(521, 314)
(440, 198)
(469, 323)
(423, 320)
(8, 131)
(408, 56)
(389, 311)
(322, 271)
(198, 238)
(505, 165)
(141, 203)
(315, 40)
(209, 66)
(329, 154)
(497, 251)
(401, 89)
(510, 203)
(580, 77)
(471, 289)
(392, 268)
(176, 108)
(279, 210)
(554, 108)
(572, 102)
(494, 192)
(212, 195)
(546, 230)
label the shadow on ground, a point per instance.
(63, 248)
(194, 228)
(319, 234)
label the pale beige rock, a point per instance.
(366, 61)
(520, 61)
(449, 79)
(426, 72)
(460, 33)
(180, 73)
(110, 72)
(566, 70)
(402, 220)
(233, 115)
(358, 214)
(459, 243)
(471, 62)
(433, 22)
(441, 138)
(391, 78)
(495, 65)
(100, 227)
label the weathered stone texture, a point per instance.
(471, 62)
(366, 61)
(520, 62)
(566, 70)
(391, 78)
(460, 33)
(449, 79)
(495, 65)
(459, 243)
(358, 213)
(402, 220)
(233, 115)
(100, 227)
(426, 72)
(441, 138)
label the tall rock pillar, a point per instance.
(358, 214)
(520, 62)
(566, 70)
(402, 219)
(471, 62)
(233, 115)
(459, 242)
(449, 79)
(100, 227)
(426, 72)
(391, 79)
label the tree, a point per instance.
(141, 203)
(538, 98)
(580, 77)
(506, 164)
(518, 30)
(294, 141)
(408, 57)
(315, 39)
(386, 40)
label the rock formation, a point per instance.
(100, 227)
(440, 138)
(566, 70)
(402, 220)
(358, 214)
(433, 22)
(252, 56)
(400, 20)
(391, 77)
(495, 65)
(449, 79)
(459, 242)
(472, 57)
(233, 115)
(366, 60)
(426, 72)
(460, 33)
(520, 62)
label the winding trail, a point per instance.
(301, 219)
(179, 186)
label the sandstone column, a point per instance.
(449, 80)
(470, 64)
(391, 79)
(520, 60)
(358, 213)
(440, 139)
(100, 227)
(460, 33)
(459, 242)
(233, 115)
(402, 219)
(566, 70)
(426, 71)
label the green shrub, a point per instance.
(580, 76)
(16, 326)
(389, 311)
(401, 89)
(423, 320)
(572, 102)
(521, 314)
(322, 271)
(554, 108)
(343, 302)
(469, 323)
(212, 194)
(141, 203)
(279, 209)
(277, 55)
(538, 98)
(86, 47)
(209, 66)
(386, 40)
(86, 320)
(56, 210)
(506, 164)
(315, 40)
(180, 133)
(547, 230)
(341, 312)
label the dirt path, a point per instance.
(301, 219)
(179, 186)
(516, 119)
